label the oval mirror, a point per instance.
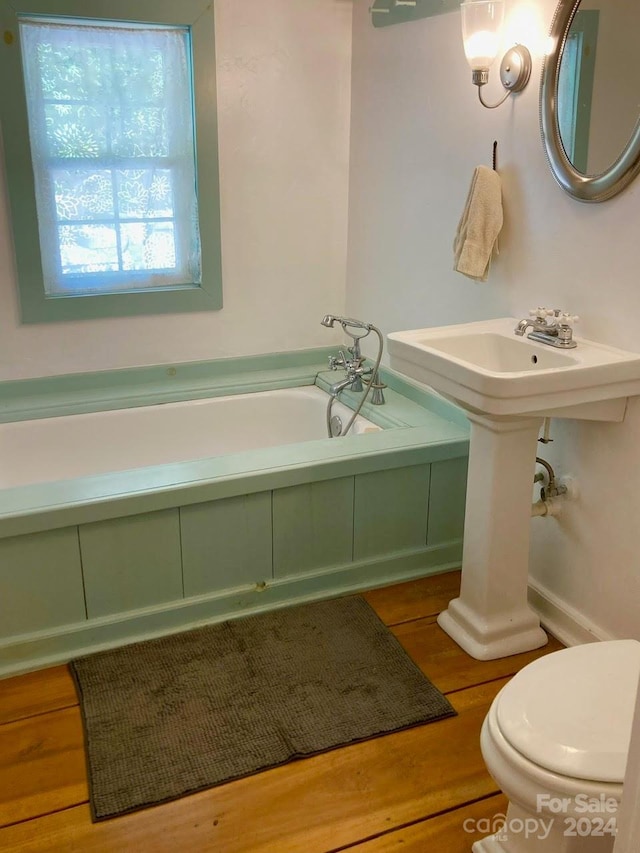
(590, 97)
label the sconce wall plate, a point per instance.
(515, 68)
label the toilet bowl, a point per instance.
(556, 740)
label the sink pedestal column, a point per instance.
(491, 618)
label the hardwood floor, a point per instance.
(411, 790)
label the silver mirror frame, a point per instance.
(587, 188)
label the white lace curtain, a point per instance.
(112, 139)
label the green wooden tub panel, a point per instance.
(448, 493)
(226, 543)
(312, 526)
(391, 511)
(40, 582)
(129, 563)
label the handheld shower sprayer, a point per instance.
(330, 319)
(347, 323)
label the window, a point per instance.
(111, 157)
(111, 133)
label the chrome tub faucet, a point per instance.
(354, 369)
(353, 365)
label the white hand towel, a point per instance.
(481, 222)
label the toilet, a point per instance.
(556, 740)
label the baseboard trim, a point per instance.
(563, 621)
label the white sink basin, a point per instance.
(486, 368)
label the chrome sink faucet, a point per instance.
(556, 332)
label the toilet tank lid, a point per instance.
(572, 711)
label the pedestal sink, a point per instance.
(507, 385)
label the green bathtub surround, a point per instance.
(132, 562)
(379, 527)
(99, 561)
(104, 390)
(412, 392)
(241, 557)
(41, 582)
(171, 569)
(406, 402)
(446, 515)
(99, 391)
(313, 526)
(30, 509)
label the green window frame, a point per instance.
(35, 306)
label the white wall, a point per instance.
(284, 98)
(417, 133)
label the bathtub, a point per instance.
(139, 521)
(73, 446)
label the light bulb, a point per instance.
(481, 31)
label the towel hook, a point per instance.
(494, 158)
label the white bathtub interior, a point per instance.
(70, 446)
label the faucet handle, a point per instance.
(336, 361)
(541, 313)
(566, 319)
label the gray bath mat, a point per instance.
(168, 717)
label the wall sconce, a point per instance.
(481, 32)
